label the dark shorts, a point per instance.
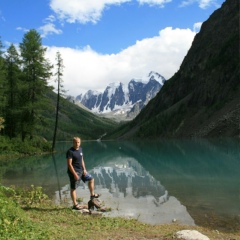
(74, 184)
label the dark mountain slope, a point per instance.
(203, 98)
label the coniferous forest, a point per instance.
(28, 103)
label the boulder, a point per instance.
(190, 235)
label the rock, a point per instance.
(83, 210)
(190, 235)
(96, 213)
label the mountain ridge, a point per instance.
(124, 100)
(202, 98)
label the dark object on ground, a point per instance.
(93, 202)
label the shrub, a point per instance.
(14, 224)
(32, 196)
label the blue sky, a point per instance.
(105, 41)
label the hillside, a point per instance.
(73, 120)
(203, 98)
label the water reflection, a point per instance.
(161, 180)
(132, 192)
(57, 176)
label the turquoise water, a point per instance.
(186, 181)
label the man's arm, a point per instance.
(84, 168)
(70, 167)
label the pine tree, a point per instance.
(12, 93)
(2, 84)
(36, 72)
(60, 91)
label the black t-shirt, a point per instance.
(76, 156)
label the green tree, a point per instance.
(36, 72)
(13, 97)
(60, 90)
(1, 123)
(2, 81)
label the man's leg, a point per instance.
(74, 196)
(73, 186)
(91, 187)
(90, 181)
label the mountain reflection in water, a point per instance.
(132, 192)
(153, 181)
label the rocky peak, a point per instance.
(121, 98)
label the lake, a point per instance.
(193, 182)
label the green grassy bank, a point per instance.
(29, 214)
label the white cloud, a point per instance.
(160, 3)
(201, 3)
(50, 18)
(86, 69)
(197, 26)
(206, 3)
(82, 11)
(49, 28)
(91, 10)
(22, 29)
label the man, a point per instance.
(77, 172)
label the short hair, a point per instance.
(76, 138)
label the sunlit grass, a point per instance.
(30, 215)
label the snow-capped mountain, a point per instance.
(119, 98)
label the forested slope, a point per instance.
(73, 120)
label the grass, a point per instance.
(29, 214)
(63, 223)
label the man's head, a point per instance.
(76, 142)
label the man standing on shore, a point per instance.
(77, 172)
